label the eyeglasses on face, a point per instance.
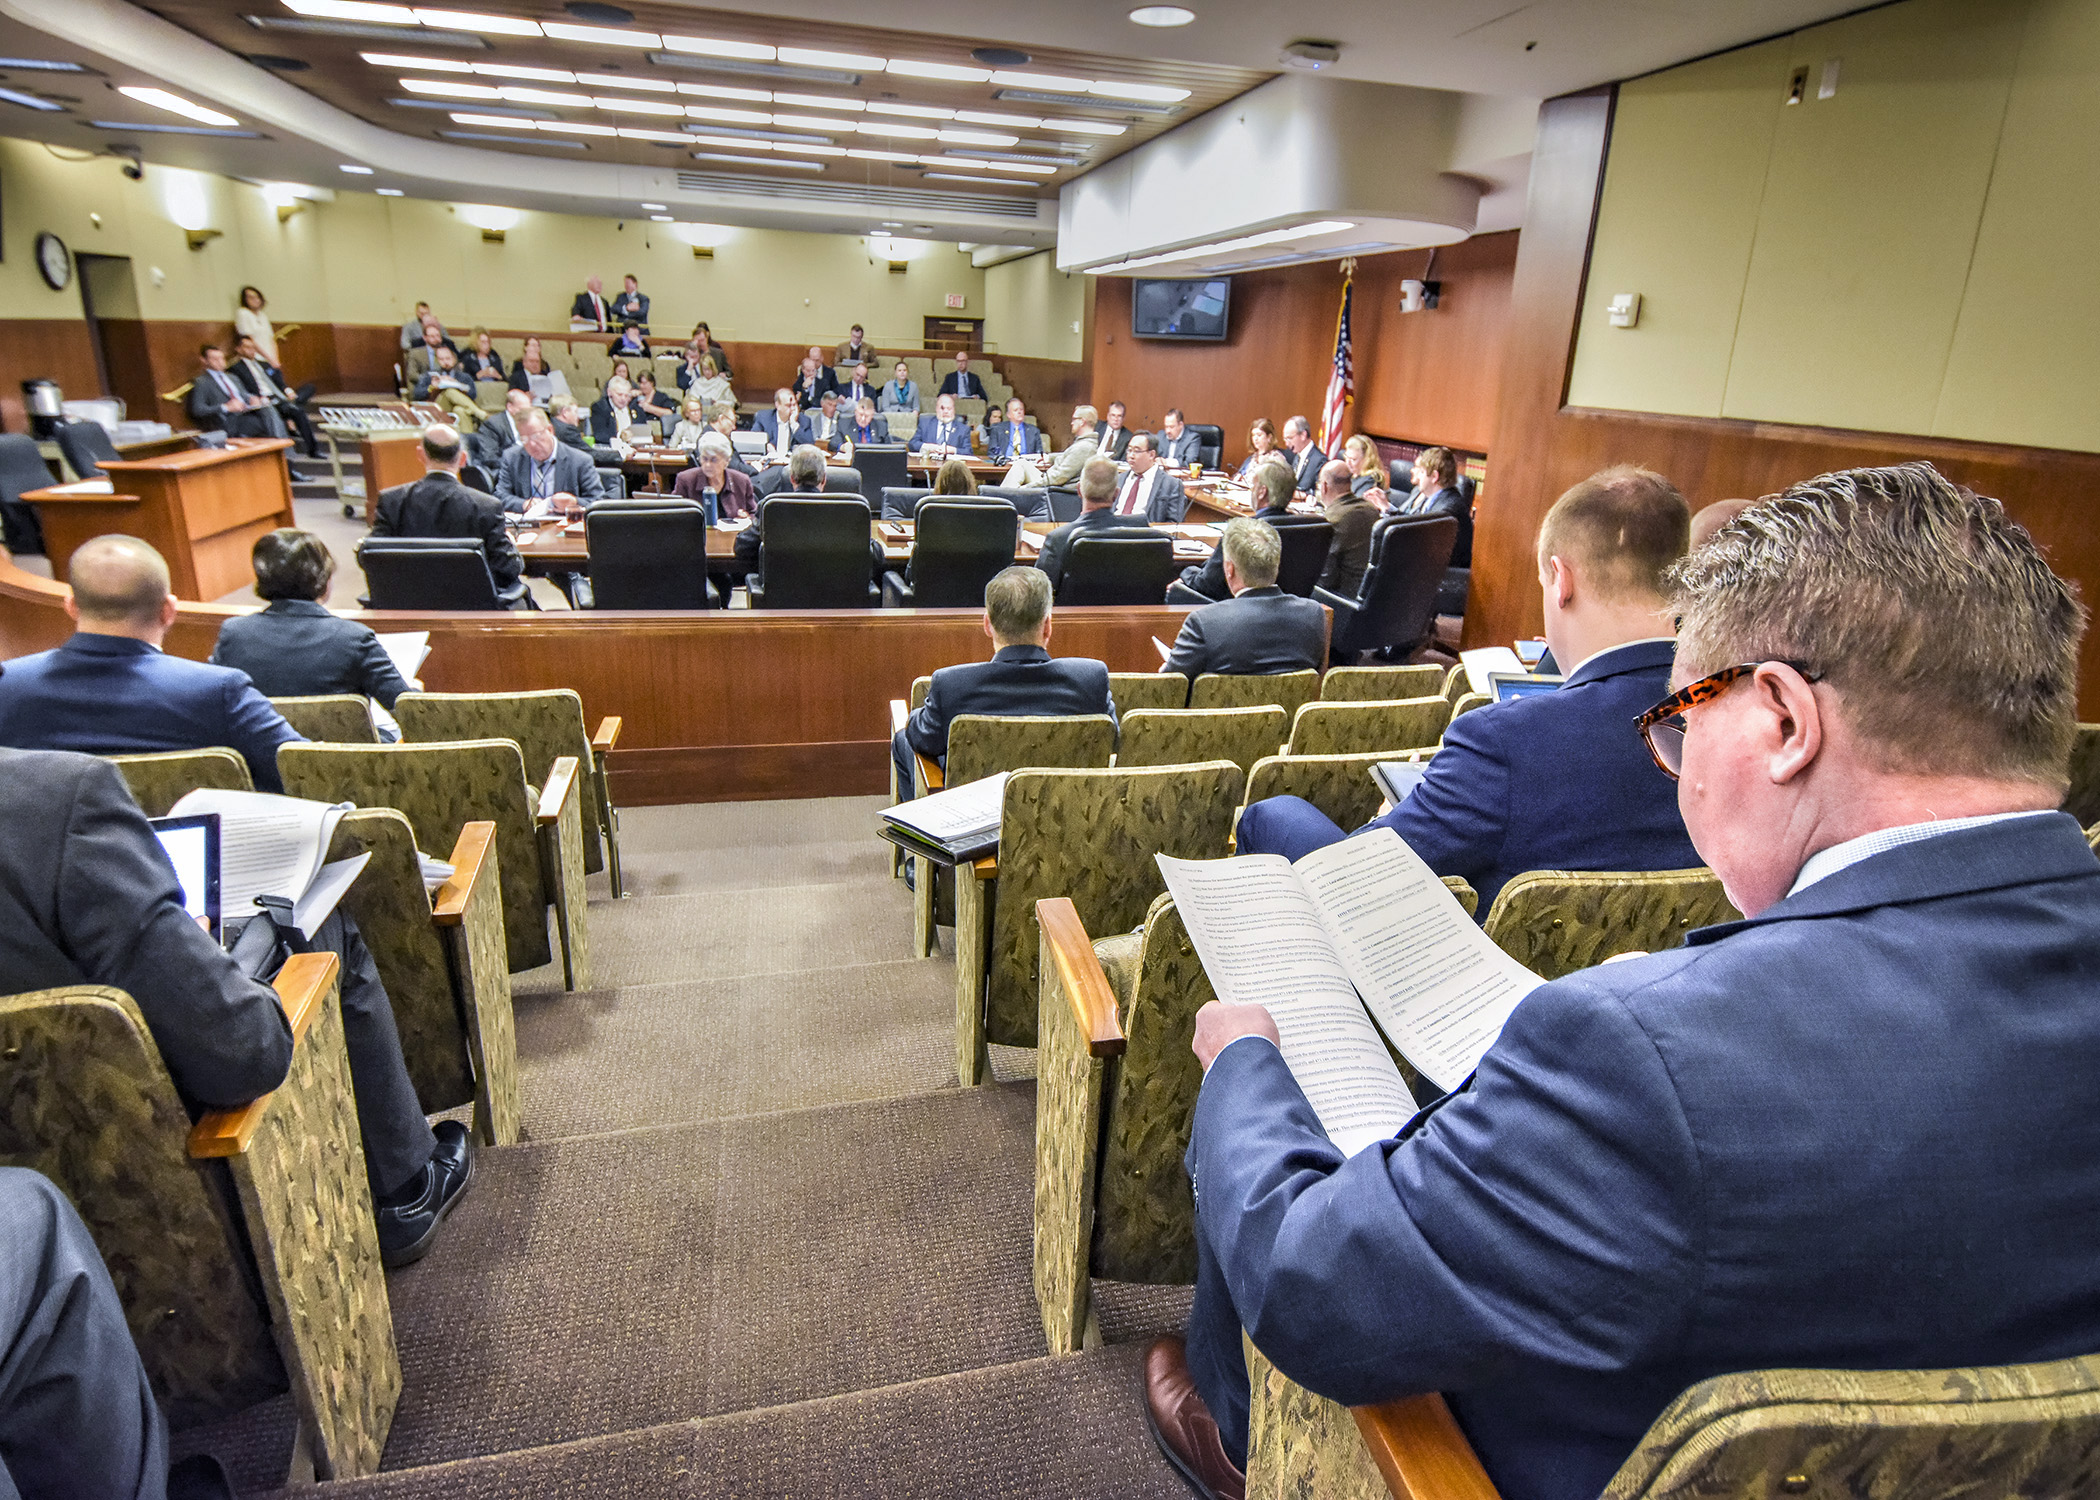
(1662, 727)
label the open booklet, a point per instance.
(1362, 929)
(951, 826)
(275, 846)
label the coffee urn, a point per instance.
(45, 403)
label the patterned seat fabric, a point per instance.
(337, 718)
(1176, 737)
(158, 782)
(1351, 728)
(1289, 691)
(1555, 922)
(1147, 690)
(1338, 785)
(1367, 684)
(546, 725)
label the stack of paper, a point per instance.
(954, 825)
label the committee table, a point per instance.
(201, 509)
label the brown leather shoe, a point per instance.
(1183, 1426)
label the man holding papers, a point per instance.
(1847, 1131)
(1552, 782)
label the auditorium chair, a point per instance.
(1554, 922)
(1152, 690)
(1186, 736)
(1465, 703)
(1090, 836)
(158, 782)
(1456, 683)
(1367, 684)
(903, 424)
(242, 1247)
(815, 554)
(1118, 569)
(1116, 1084)
(426, 573)
(442, 788)
(1062, 502)
(901, 502)
(1338, 785)
(1032, 503)
(958, 548)
(22, 469)
(545, 725)
(2082, 801)
(1351, 728)
(645, 554)
(1304, 557)
(1395, 605)
(1287, 690)
(441, 957)
(339, 718)
(1996, 1431)
(1210, 444)
(86, 445)
(881, 467)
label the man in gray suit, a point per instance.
(540, 468)
(1064, 468)
(219, 403)
(1148, 490)
(1258, 631)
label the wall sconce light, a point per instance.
(286, 210)
(490, 220)
(702, 237)
(199, 238)
(287, 198)
(898, 253)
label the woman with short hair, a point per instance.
(692, 424)
(294, 648)
(250, 319)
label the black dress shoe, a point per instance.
(199, 1477)
(408, 1228)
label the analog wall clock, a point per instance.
(54, 261)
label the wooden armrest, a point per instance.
(301, 984)
(608, 734)
(986, 868)
(1418, 1447)
(560, 780)
(469, 854)
(900, 711)
(935, 780)
(1086, 987)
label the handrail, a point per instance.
(301, 985)
(1079, 971)
(469, 854)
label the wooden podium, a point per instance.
(201, 510)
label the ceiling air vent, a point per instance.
(867, 196)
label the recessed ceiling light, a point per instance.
(948, 71)
(474, 20)
(389, 192)
(175, 104)
(654, 207)
(659, 218)
(354, 170)
(604, 36)
(30, 101)
(708, 46)
(1162, 15)
(812, 58)
(353, 10)
(42, 65)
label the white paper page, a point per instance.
(1478, 663)
(944, 816)
(409, 649)
(320, 898)
(1262, 943)
(268, 845)
(1438, 985)
(1030, 542)
(1165, 651)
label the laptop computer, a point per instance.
(192, 847)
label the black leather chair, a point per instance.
(901, 502)
(86, 445)
(1305, 548)
(961, 543)
(1031, 503)
(838, 481)
(882, 467)
(1210, 444)
(475, 477)
(1395, 607)
(815, 554)
(615, 483)
(1126, 568)
(22, 469)
(1063, 502)
(645, 554)
(426, 572)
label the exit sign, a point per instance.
(956, 299)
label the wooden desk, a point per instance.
(390, 456)
(981, 469)
(201, 510)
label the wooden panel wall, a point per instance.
(48, 349)
(1542, 446)
(1426, 377)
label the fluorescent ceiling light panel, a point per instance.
(562, 127)
(30, 101)
(390, 193)
(909, 111)
(430, 36)
(732, 116)
(544, 96)
(175, 104)
(353, 10)
(1162, 15)
(603, 36)
(757, 161)
(721, 91)
(905, 156)
(1085, 127)
(488, 216)
(988, 117)
(505, 121)
(354, 170)
(948, 71)
(1152, 92)
(826, 101)
(898, 132)
(655, 208)
(445, 88)
(813, 58)
(474, 20)
(511, 140)
(1056, 82)
(807, 148)
(508, 111)
(150, 129)
(731, 140)
(428, 64)
(668, 137)
(644, 85)
(978, 138)
(707, 46)
(514, 70)
(639, 107)
(39, 65)
(816, 122)
(659, 218)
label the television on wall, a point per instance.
(1180, 309)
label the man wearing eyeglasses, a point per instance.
(1853, 1130)
(1553, 781)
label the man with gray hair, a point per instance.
(1303, 454)
(1845, 1131)
(1260, 630)
(721, 491)
(615, 411)
(1021, 678)
(1097, 517)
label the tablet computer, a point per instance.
(1507, 685)
(192, 847)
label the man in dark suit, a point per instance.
(1828, 1135)
(293, 647)
(803, 475)
(780, 424)
(1112, 437)
(88, 897)
(1261, 629)
(960, 383)
(219, 403)
(632, 305)
(1305, 457)
(261, 378)
(1354, 517)
(449, 387)
(439, 505)
(1553, 781)
(540, 468)
(813, 379)
(826, 428)
(1015, 437)
(855, 389)
(1097, 493)
(1178, 447)
(110, 690)
(1436, 493)
(1021, 678)
(1148, 490)
(590, 313)
(498, 432)
(615, 411)
(1270, 485)
(422, 359)
(943, 432)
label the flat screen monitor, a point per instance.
(1180, 309)
(192, 846)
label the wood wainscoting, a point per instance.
(719, 706)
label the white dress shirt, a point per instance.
(1135, 498)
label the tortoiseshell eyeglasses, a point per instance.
(1662, 727)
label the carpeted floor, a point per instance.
(756, 1240)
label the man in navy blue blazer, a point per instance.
(1021, 678)
(1553, 781)
(1848, 1131)
(944, 431)
(110, 690)
(1015, 437)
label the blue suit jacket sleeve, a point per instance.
(1548, 1214)
(1458, 816)
(926, 731)
(256, 730)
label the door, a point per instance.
(950, 334)
(109, 299)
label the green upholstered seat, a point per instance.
(2082, 801)
(1147, 690)
(1557, 921)
(1352, 728)
(158, 782)
(1287, 690)
(1366, 684)
(337, 718)
(1184, 736)
(1338, 785)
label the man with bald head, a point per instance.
(1710, 519)
(111, 690)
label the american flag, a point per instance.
(1341, 386)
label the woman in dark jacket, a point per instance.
(295, 648)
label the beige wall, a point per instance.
(1912, 255)
(366, 259)
(1032, 309)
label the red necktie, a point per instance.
(1128, 504)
